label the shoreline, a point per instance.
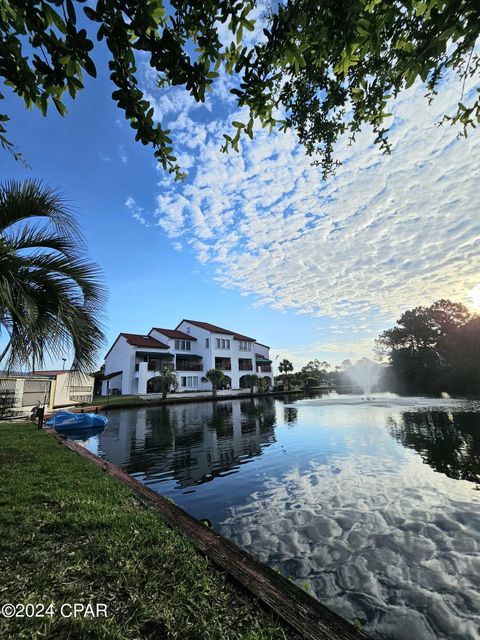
(93, 521)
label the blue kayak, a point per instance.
(66, 421)
(81, 434)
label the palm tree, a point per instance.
(51, 294)
(166, 380)
(216, 377)
(285, 367)
(252, 380)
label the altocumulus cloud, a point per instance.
(384, 234)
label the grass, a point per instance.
(104, 400)
(69, 533)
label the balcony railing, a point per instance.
(158, 365)
(265, 368)
(188, 366)
(223, 365)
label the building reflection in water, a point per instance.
(191, 443)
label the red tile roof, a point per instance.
(138, 340)
(173, 333)
(114, 374)
(214, 329)
(263, 345)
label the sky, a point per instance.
(257, 241)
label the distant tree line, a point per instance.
(430, 350)
(433, 349)
(314, 373)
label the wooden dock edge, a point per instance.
(301, 611)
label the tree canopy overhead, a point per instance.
(323, 68)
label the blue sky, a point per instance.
(257, 241)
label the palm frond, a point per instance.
(30, 237)
(29, 199)
(51, 294)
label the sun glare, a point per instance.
(474, 296)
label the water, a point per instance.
(372, 506)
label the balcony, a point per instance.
(224, 364)
(188, 366)
(264, 368)
(154, 365)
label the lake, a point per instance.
(372, 506)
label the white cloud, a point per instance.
(122, 152)
(386, 233)
(136, 211)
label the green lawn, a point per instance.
(103, 400)
(71, 534)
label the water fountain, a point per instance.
(365, 374)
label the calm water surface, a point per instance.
(372, 506)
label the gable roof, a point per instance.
(173, 333)
(114, 374)
(215, 329)
(139, 340)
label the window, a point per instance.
(218, 343)
(188, 329)
(228, 343)
(189, 381)
(207, 343)
(183, 345)
(177, 344)
(222, 343)
(245, 345)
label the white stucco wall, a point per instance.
(120, 358)
(72, 388)
(200, 349)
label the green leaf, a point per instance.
(59, 105)
(53, 18)
(90, 67)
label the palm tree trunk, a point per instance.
(214, 390)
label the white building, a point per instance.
(134, 361)
(19, 394)
(68, 387)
